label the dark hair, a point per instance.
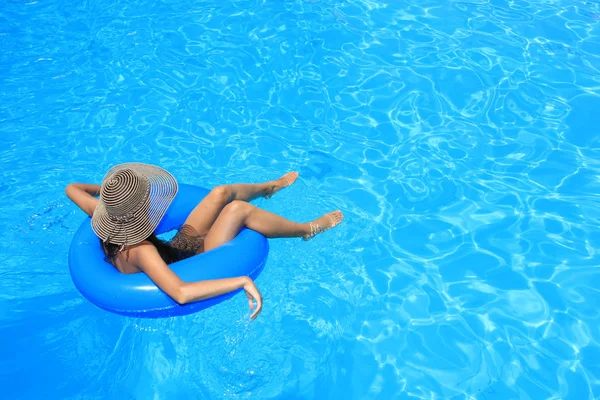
(167, 253)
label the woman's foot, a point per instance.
(278, 184)
(323, 223)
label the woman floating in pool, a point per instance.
(133, 199)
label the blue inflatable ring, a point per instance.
(135, 294)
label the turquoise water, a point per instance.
(460, 139)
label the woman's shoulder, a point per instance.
(141, 250)
(142, 253)
(132, 259)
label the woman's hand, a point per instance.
(253, 295)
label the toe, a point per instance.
(290, 178)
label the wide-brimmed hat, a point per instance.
(133, 199)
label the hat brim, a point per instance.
(143, 222)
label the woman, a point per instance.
(133, 199)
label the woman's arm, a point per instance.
(146, 257)
(83, 194)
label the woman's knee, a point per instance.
(237, 208)
(221, 194)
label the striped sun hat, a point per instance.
(133, 199)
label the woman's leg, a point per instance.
(239, 214)
(206, 212)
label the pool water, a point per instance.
(459, 138)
